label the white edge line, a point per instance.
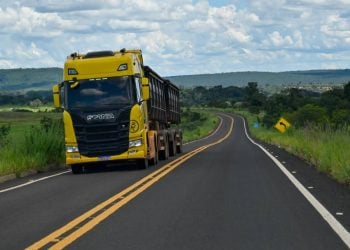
(33, 181)
(327, 216)
(211, 134)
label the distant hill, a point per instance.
(14, 80)
(29, 79)
(263, 78)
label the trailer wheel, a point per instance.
(164, 154)
(142, 163)
(154, 161)
(179, 148)
(77, 169)
(172, 148)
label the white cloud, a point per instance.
(337, 27)
(278, 40)
(25, 21)
(133, 26)
(7, 64)
(180, 36)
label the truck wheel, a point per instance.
(172, 148)
(164, 154)
(179, 148)
(142, 163)
(77, 169)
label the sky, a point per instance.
(180, 37)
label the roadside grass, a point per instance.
(325, 148)
(197, 124)
(35, 141)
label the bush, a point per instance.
(269, 120)
(197, 124)
(309, 114)
(45, 143)
(340, 118)
(4, 132)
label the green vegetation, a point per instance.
(30, 141)
(197, 124)
(33, 99)
(29, 79)
(320, 121)
(324, 147)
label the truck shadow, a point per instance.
(110, 167)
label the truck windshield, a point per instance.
(94, 93)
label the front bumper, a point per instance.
(132, 154)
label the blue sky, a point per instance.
(180, 36)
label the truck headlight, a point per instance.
(135, 143)
(72, 149)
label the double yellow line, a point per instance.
(67, 234)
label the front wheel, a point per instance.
(76, 169)
(142, 163)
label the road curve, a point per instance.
(228, 194)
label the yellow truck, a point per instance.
(117, 109)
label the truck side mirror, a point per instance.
(56, 96)
(145, 88)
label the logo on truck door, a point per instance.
(100, 117)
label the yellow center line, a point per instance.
(93, 217)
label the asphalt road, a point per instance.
(228, 195)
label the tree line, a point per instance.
(302, 107)
(21, 99)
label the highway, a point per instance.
(222, 192)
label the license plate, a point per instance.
(104, 158)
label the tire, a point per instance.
(172, 148)
(154, 161)
(77, 169)
(164, 154)
(142, 163)
(179, 149)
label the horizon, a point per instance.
(249, 71)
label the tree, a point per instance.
(36, 103)
(309, 114)
(333, 100)
(341, 118)
(255, 100)
(347, 91)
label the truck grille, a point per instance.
(102, 138)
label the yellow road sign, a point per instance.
(282, 125)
